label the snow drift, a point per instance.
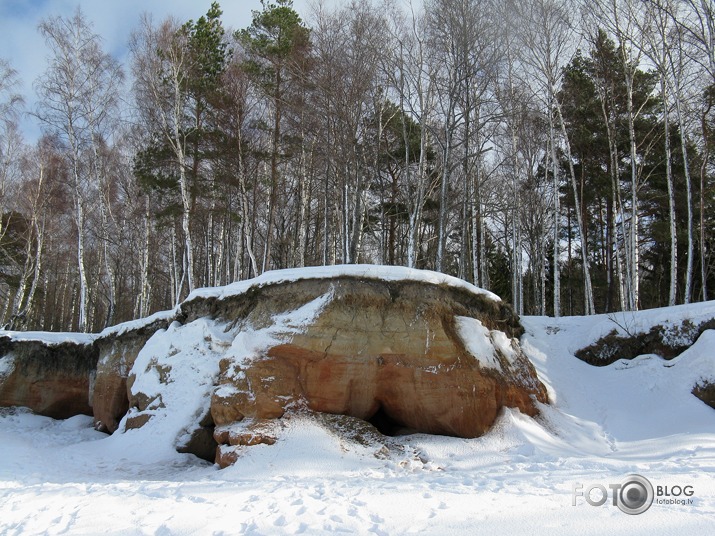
(602, 423)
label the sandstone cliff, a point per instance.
(407, 350)
(50, 375)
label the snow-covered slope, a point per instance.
(605, 423)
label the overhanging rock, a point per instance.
(405, 349)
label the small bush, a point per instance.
(666, 342)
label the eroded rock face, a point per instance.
(399, 352)
(110, 400)
(420, 353)
(705, 391)
(52, 380)
(117, 353)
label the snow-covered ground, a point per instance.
(605, 424)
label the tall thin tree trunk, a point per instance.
(557, 217)
(634, 235)
(145, 291)
(703, 172)
(588, 289)
(273, 195)
(111, 280)
(304, 191)
(671, 196)
(40, 239)
(82, 322)
(442, 230)
(476, 219)
(689, 202)
(416, 210)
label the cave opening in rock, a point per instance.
(386, 425)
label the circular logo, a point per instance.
(636, 495)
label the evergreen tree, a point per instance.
(594, 95)
(276, 44)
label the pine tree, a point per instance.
(275, 42)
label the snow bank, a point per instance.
(364, 271)
(630, 400)
(251, 341)
(629, 323)
(173, 378)
(50, 338)
(604, 423)
(134, 325)
(53, 338)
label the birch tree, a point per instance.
(412, 73)
(34, 196)
(11, 149)
(161, 63)
(695, 43)
(656, 27)
(678, 64)
(448, 30)
(548, 35)
(619, 18)
(10, 139)
(75, 95)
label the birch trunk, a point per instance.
(557, 217)
(145, 285)
(689, 201)
(671, 196)
(588, 289)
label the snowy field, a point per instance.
(62, 477)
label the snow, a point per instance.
(478, 342)
(251, 340)
(363, 271)
(483, 343)
(188, 358)
(50, 338)
(177, 369)
(632, 323)
(7, 365)
(134, 325)
(54, 338)
(604, 423)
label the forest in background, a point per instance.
(556, 152)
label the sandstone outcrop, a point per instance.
(405, 350)
(52, 379)
(399, 354)
(117, 350)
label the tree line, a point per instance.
(557, 152)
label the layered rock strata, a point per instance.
(406, 350)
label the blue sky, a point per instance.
(22, 46)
